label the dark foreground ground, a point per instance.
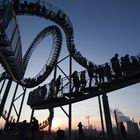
(53, 136)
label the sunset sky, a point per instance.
(101, 29)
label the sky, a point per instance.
(101, 29)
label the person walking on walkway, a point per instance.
(76, 81)
(83, 81)
(81, 133)
(52, 88)
(90, 71)
(57, 85)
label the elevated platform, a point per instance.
(89, 92)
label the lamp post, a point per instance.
(88, 118)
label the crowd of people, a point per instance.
(117, 68)
(46, 91)
(23, 129)
(45, 8)
(92, 76)
(110, 71)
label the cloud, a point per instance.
(120, 116)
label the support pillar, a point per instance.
(5, 96)
(70, 105)
(101, 115)
(32, 114)
(10, 109)
(70, 114)
(107, 116)
(2, 86)
(21, 105)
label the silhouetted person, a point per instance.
(116, 66)
(122, 129)
(83, 80)
(138, 58)
(22, 130)
(127, 64)
(34, 128)
(24, 5)
(90, 71)
(16, 3)
(107, 70)
(123, 66)
(57, 85)
(60, 134)
(135, 64)
(52, 88)
(43, 92)
(100, 71)
(81, 133)
(58, 15)
(76, 81)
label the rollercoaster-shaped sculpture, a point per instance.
(48, 12)
(15, 64)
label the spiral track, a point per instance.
(47, 69)
(48, 12)
(56, 15)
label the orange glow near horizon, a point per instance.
(57, 123)
(2, 122)
(63, 123)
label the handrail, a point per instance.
(35, 96)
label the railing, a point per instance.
(100, 75)
(43, 124)
(5, 113)
(43, 7)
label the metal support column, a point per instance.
(5, 96)
(32, 114)
(2, 86)
(107, 116)
(10, 109)
(21, 105)
(101, 115)
(55, 71)
(70, 105)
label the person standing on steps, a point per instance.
(57, 85)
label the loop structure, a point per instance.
(52, 60)
(49, 12)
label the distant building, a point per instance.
(132, 128)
